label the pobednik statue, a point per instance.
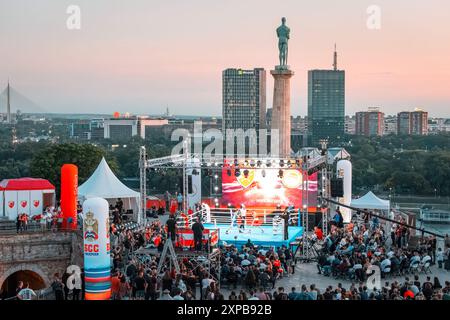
(283, 38)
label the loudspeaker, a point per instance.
(337, 187)
(189, 184)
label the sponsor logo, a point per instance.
(90, 227)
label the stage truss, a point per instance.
(308, 160)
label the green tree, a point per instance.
(47, 163)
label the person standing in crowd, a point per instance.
(180, 201)
(26, 293)
(171, 228)
(77, 286)
(338, 219)
(447, 258)
(285, 217)
(19, 287)
(167, 197)
(197, 229)
(66, 288)
(58, 287)
(119, 205)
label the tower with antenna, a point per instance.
(8, 105)
(335, 58)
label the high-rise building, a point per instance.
(350, 124)
(415, 122)
(390, 125)
(369, 123)
(244, 99)
(404, 122)
(326, 104)
(419, 122)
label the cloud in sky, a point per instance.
(141, 56)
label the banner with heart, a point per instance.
(36, 203)
(23, 203)
(11, 204)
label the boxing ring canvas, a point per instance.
(259, 235)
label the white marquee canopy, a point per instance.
(104, 184)
(371, 201)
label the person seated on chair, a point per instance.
(415, 259)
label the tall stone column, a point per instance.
(281, 110)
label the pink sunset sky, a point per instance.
(141, 56)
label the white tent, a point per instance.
(371, 201)
(104, 184)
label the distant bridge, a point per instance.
(18, 101)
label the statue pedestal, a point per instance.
(281, 108)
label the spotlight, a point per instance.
(246, 173)
(237, 172)
(216, 176)
(268, 163)
(216, 188)
(258, 163)
(252, 163)
(282, 163)
(229, 205)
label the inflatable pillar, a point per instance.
(344, 171)
(97, 263)
(69, 195)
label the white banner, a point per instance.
(23, 202)
(35, 202)
(11, 204)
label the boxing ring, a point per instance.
(262, 228)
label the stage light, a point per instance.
(246, 173)
(282, 163)
(304, 207)
(216, 188)
(216, 176)
(216, 200)
(258, 163)
(263, 173)
(252, 163)
(229, 205)
(268, 163)
(237, 172)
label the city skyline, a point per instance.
(140, 58)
